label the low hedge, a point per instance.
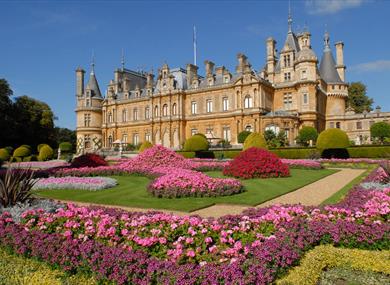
(186, 154)
(326, 256)
(369, 151)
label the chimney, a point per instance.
(149, 80)
(80, 81)
(192, 73)
(242, 62)
(220, 70)
(209, 67)
(340, 60)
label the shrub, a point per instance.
(145, 145)
(88, 160)
(196, 143)
(255, 140)
(307, 134)
(293, 153)
(341, 153)
(65, 147)
(16, 159)
(30, 158)
(22, 151)
(39, 147)
(332, 138)
(10, 149)
(187, 154)
(243, 135)
(380, 131)
(4, 155)
(256, 162)
(45, 153)
(369, 151)
(204, 154)
(27, 146)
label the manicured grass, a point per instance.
(131, 192)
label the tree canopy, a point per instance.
(380, 131)
(307, 134)
(357, 97)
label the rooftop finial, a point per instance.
(289, 17)
(93, 62)
(123, 60)
(326, 40)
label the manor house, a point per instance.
(295, 88)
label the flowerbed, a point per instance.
(40, 164)
(302, 163)
(176, 183)
(78, 183)
(352, 160)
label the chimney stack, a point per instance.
(209, 68)
(80, 81)
(340, 60)
(192, 73)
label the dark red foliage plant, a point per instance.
(88, 160)
(256, 163)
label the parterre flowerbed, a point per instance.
(79, 183)
(40, 164)
(302, 163)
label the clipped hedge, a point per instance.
(4, 154)
(186, 154)
(22, 151)
(145, 145)
(255, 140)
(332, 139)
(196, 143)
(65, 147)
(369, 151)
(326, 256)
(45, 153)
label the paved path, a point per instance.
(309, 195)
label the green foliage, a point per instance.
(332, 139)
(16, 159)
(31, 158)
(307, 134)
(243, 135)
(200, 134)
(64, 135)
(357, 98)
(380, 131)
(40, 146)
(369, 151)
(275, 140)
(145, 145)
(46, 153)
(186, 154)
(293, 153)
(22, 151)
(10, 149)
(255, 140)
(196, 143)
(4, 155)
(224, 143)
(27, 146)
(65, 147)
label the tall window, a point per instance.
(358, 125)
(87, 102)
(147, 113)
(303, 74)
(305, 98)
(148, 137)
(156, 111)
(194, 108)
(135, 114)
(109, 117)
(87, 141)
(174, 109)
(287, 101)
(225, 103)
(249, 128)
(209, 106)
(287, 76)
(248, 103)
(124, 116)
(124, 138)
(87, 120)
(287, 60)
(338, 125)
(135, 139)
(110, 141)
(226, 134)
(165, 110)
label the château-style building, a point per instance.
(294, 89)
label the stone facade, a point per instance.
(291, 91)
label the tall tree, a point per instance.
(7, 122)
(65, 135)
(357, 98)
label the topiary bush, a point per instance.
(145, 145)
(88, 160)
(255, 140)
(65, 147)
(243, 135)
(256, 163)
(22, 151)
(196, 143)
(45, 153)
(40, 146)
(4, 154)
(27, 146)
(332, 138)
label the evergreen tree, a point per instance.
(357, 98)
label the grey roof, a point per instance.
(306, 53)
(328, 70)
(292, 42)
(180, 76)
(93, 86)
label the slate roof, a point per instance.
(93, 86)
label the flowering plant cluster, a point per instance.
(256, 162)
(207, 164)
(176, 183)
(40, 164)
(78, 183)
(302, 163)
(88, 160)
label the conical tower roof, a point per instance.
(328, 70)
(93, 85)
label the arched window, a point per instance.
(249, 128)
(174, 109)
(156, 111)
(147, 113)
(165, 110)
(109, 117)
(135, 114)
(248, 103)
(124, 115)
(273, 128)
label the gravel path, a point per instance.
(309, 195)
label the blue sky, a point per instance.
(44, 41)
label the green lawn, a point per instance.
(131, 192)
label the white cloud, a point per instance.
(372, 66)
(330, 6)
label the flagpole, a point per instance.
(194, 43)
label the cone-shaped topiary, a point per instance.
(22, 151)
(196, 143)
(255, 140)
(332, 139)
(256, 163)
(45, 153)
(145, 145)
(4, 155)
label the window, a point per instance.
(287, 76)
(359, 125)
(249, 128)
(273, 128)
(225, 103)
(303, 75)
(226, 79)
(147, 113)
(135, 115)
(209, 106)
(148, 137)
(226, 134)
(109, 117)
(287, 60)
(248, 103)
(156, 111)
(124, 138)
(305, 98)
(174, 109)
(135, 139)
(331, 125)
(124, 115)
(165, 110)
(87, 141)
(194, 108)
(338, 125)
(87, 120)
(194, 132)
(110, 141)
(287, 101)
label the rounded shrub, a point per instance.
(40, 146)
(145, 145)
(307, 134)
(45, 153)
(332, 139)
(4, 155)
(88, 160)
(65, 147)
(22, 151)
(256, 163)
(243, 135)
(255, 140)
(196, 143)
(27, 146)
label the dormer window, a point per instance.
(226, 79)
